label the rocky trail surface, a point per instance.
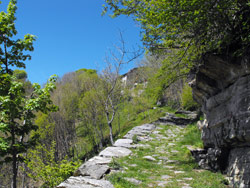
(150, 155)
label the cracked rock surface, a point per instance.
(222, 87)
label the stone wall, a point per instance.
(222, 87)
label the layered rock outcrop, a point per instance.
(222, 87)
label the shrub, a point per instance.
(187, 101)
(44, 167)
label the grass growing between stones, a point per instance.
(171, 164)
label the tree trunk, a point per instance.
(24, 176)
(99, 137)
(101, 132)
(14, 156)
(119, 125)
(111, 134)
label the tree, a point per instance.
(20, 74)
(17, 109)
(111, 77)
(186, 30)
(91, 105)
(17, 114)
(175, 24)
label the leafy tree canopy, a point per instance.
(90, 71)
(209, 25)
(17, 106)
(12, 51)
(20, 74)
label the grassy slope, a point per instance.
(171, 154)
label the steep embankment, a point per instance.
(158, 158)
(222, 87)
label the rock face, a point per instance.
(222, 87)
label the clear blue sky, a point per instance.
(71, 35)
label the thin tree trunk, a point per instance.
(101, 131)
(100, 138)
(24, 175)
(111, 134)
(119, 125)
(14, 156)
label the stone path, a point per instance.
(92, 173)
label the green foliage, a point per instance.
(17, 114)
(187, 101)
(44, 168)
(45, 129)
(88, 71)
(114, 164)
(20, 74)
(135, 139)
(167, 81)
(184, 31)
(17, 109)
(12, 50)
(178, 24)
(192, 136)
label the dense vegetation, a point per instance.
(45, 131)
(18, 107)
(184, 24)
(89, 109)
(183, 31)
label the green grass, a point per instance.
(150, 172)
(127, 122)
(192, 136)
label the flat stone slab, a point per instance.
(189, 179)
(149, 158)
(171, 144)
(165, 177)
(134, 181)
(84, 182)
(100, 160)
(115, 152)
(163, 183)
(142, 130)
(91, 169)
(147, 126)
(179, 172)
(126, 143)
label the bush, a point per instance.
(187, 101)
(44, 168)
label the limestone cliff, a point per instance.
(222, 87)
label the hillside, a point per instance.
(149, 155)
